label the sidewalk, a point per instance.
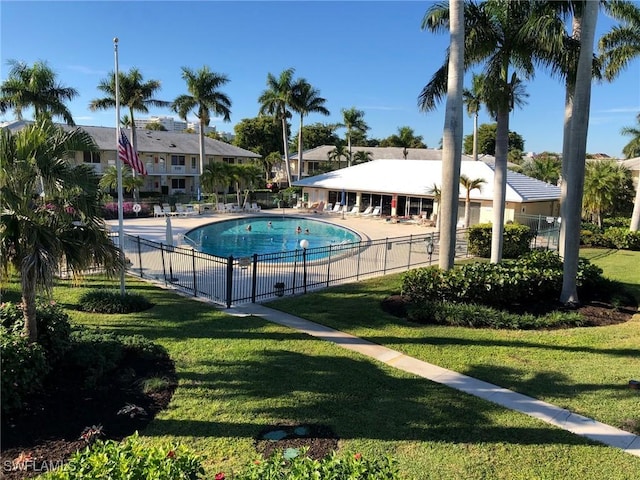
(559, 417)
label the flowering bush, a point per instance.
(110, 210)
(293, 464)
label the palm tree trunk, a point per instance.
(197, 178)
(475, 137)
(572, 194)
(286, 150)
(500, 184)
(467, 208)
(349, 140)
(452, 138)
(635, 216)
(29, 306)
(300, 148)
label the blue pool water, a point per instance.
(267, 235)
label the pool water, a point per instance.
(266, 235)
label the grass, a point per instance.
(238, 375)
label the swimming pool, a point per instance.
(243, 237)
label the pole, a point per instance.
(119, 169)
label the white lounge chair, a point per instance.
(157, 211)
(336, 209)
(181, 210)
(328, 207)
(367, 211)
(166, 209)
(354, 211)
(374, 213)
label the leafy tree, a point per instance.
(307, 100)
(259, 134)
(316, 135)
(473, 99)
(204, 98)
(543, 167)
(276, 100)
(109, 179)
(51, 210)
(487, 140)
(353, 121)
(470, 185)
(622, 44)
(404, 138)
(216, 177)
(608, 190)
(338, 153)
(156, 126)
(362, 156)
(35, 87)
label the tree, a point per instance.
(135, 94)
(306, 101)
(543, 167)
(204, 98)
(404, 138)
(487, 140)
(216, 176)
(247, 176)
(156, 126)
(51, 210)
(353, 121)
(316, 135)
(109, 179)
(437, 197)
(362, 156)
(573, 182)
(276, 100)
(503, 44)
(622, 44)
(632, 149)
(473, 99)
(607, 189)
(470, 185)
(338, 153)
(35, 87)
(259, 134)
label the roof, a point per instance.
(155, 141)
(632, 163)
(419, 176)
(381, 153)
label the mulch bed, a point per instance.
(319, 440)
(47, 430)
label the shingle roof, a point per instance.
(631, 164)
(154, 141)
(381, 153)
(418, 177)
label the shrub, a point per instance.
(22, 370)
(293, 464)
(616, 222)
(93, 355)
(111, 301)
(622, 238)
(130, 459)
(516, 240)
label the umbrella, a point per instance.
(342, 199)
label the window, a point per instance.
(91, 157)
(177, 160)
(194, 162)
(312, 167)
(229, 160)
(178, 183)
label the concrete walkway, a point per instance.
(560, 417)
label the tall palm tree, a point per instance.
(353, 121)
(473, 99)
(632, 149)
(470, 185)
(502, 44)
(216, 176)
(136, 94)
(573, 184)
(307, 100)
(204, 98)
(51, 210)
(338, 153)
(35, 87)
(276, 100)
(622, 44)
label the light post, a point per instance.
(304, 244)
(430, 247)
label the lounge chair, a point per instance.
(181, 210)
(354, 211)
(166, 209)
(255, 207)
(374, 213)
(316, 207)
(336, 209)
(157, 211)
(367, 211)
(328, 207)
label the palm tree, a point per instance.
(249, 175)
(338, 153)
(353, 121)
(469, 186)
(404, 138)
(501, 42)
(51, 210)
(307, 100)
(276, 100)
(204, 98)
(545, 167)
(473, 99)
(134, 93)
(573, 183)
(604, 180)
(362, 156)
(216, 175)
(632, 149)
(622, 44)
(109, 179)
(437, 197)
(35, 87)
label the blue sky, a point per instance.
(370, 55)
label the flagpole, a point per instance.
(119, 169)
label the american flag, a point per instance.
(128, 155)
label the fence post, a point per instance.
(304, 269)
(409, 256)
(229, 280)
(195, 277)
(164, 267)
(139, 257)
(254, 280)
(386, 247)
(358, 261)
(329, 265)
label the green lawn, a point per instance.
(240, 374)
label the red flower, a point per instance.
(357, 456)
(220, 476)
(257, 462)
(171, 454)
